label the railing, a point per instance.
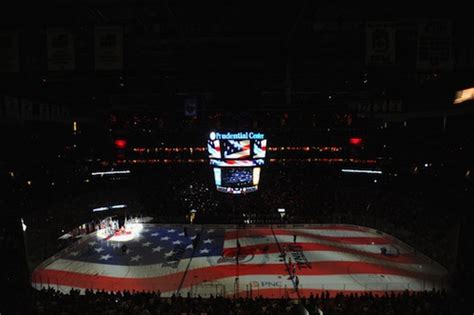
(253, 289)
(422, 285)
(207, 289)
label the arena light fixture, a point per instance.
(99, 209)
(463, 96)
(118, 207)
(110, 173)
(351, 170)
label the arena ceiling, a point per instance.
(232, 48)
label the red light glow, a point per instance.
(355, 141)
(120, 143)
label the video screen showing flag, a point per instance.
(214, 149)
(236, 149)
(237, 163)
(229, 149)
(259, 149)
(236, 159)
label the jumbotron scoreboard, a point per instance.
(236, 159)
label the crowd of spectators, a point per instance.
(407, 206)
(412, 207)
(150, 303)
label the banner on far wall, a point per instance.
(380, 43)
(43, 111)
(12, 109)
(435, 45)
(190, 107)
(61, 54)
(9, 52)
(26, 108)
(108, 46)
(54, 112)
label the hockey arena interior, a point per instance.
(228, 158)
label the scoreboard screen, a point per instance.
(237, 177)
(236, 159)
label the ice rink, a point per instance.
(267, 260)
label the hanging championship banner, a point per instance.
(44, 111)
(190, 107)
(12, 108)
(108, 45)
(61, 55)
(9, 52)
(435, 45)
(380, 43)
(54, 112)
(26, 108)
